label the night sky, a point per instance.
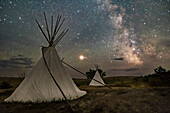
(124, 37)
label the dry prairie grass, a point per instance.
(133, 99)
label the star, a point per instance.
(136, 31)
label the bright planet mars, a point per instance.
(81, 57)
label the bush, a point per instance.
(162, 79)
(5, 85)
(101, 72)
(91, 73)
(159, 70)
(122, 85)
(142, 78)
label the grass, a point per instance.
(126, 96)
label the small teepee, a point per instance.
(97, 79)
(48, 80)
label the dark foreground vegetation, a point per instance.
(145, 94)
(100, 100)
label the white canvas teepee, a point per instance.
(97, 80)
(49, 78)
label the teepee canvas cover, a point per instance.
(39, 86)
(98, 78)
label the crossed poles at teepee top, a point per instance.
(53, 42)
(50, 37)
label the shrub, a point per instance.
(91, 73)
(159, 70)
(5, 85)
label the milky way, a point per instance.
(122, 37)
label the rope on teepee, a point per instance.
(56, 81)
(84, 74)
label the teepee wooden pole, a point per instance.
(42, 31)
(59, 27)
(56, 82)
(47, 26)
(56, 26)
(51, 27)
(60, 37)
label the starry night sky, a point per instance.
(123, 37)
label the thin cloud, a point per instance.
(126, 70)
(18, 61)
(118, 59)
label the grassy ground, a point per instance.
(126, 96)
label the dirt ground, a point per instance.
(100, 100)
